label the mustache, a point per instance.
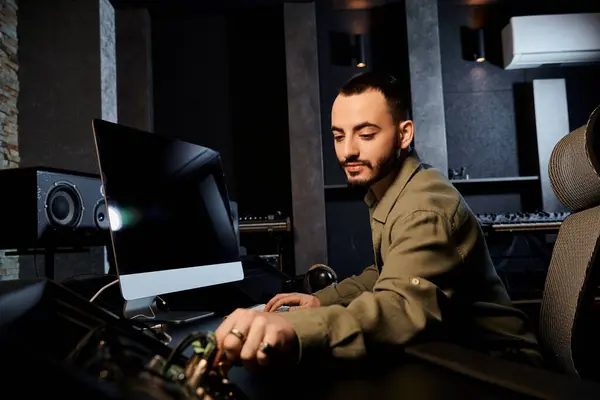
(356, 160)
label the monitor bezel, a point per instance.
(135, 286)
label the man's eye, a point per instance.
(367, 136)
(338, 138)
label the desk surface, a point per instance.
(409, 378)
(403, 375)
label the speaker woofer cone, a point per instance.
(64, 206)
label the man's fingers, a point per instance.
(237, 335)
(255, 337)
(270, 302)
(286, 301)
(275, 299)
(272, 342)
(225, 327)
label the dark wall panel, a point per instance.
(350, 246)
(259, 119)
(219, 81)
(473, 127)
(191, 82)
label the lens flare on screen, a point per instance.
(114, 218)
(120, 217)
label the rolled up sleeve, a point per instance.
(349, 289)
(404, 300)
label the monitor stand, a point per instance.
(146, 309)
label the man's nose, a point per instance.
(350, 148)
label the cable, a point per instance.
(102, 289)
(145, 316)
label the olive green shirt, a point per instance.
(432, 275)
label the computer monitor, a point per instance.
(169, 214)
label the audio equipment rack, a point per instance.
(265, 224)
(276, 225)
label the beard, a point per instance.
(382, 168)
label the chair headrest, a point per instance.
(574, 166)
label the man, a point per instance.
(433, 276)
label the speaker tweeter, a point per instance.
(101, 215)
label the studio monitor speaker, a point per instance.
(49, 208)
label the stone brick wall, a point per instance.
(9, 93)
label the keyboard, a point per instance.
(521, 221)
(261, 307)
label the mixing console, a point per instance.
(520, 221)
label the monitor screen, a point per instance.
(169, 214)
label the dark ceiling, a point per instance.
(337, 4)
(237, 4)
(201, 3)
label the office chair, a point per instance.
(567, 328)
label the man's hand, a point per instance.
(293, 300)
(256, 338)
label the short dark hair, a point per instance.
(389, 86)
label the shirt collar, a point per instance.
(381, 210)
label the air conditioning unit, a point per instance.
(539, 40)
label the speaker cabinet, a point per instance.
(48, 208)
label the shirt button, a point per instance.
(415, 281)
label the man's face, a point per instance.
(365, 136)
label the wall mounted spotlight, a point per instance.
(347, 50)
(473, 44)
(359, 51)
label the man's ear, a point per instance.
(406, 131)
